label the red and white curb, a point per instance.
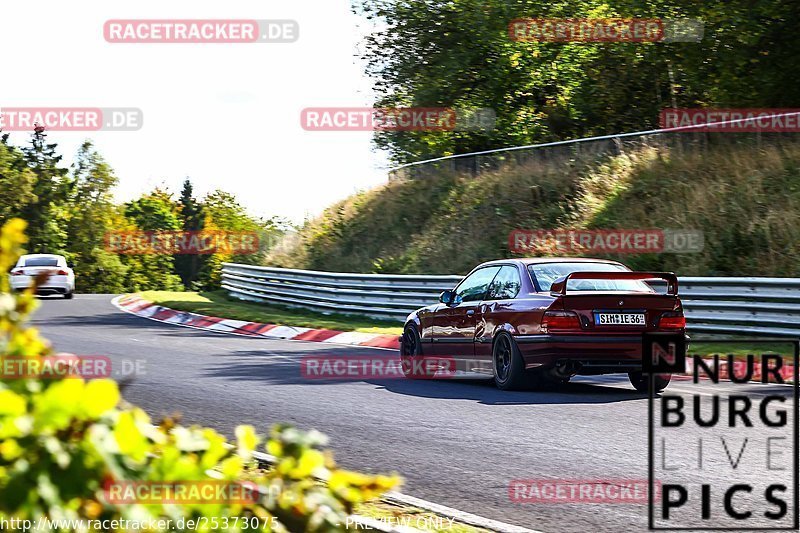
(146, 309)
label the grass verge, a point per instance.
(219, 304)
(417, 226)
(740, 350)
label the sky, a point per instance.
(225, 115)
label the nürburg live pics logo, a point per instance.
(723, 448)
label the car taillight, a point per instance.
(560, 320)
(672, 321)
(16, 272)
(62, 272)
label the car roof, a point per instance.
(33, 256)
(536, 260)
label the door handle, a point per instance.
(470, 312)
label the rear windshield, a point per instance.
(546, 273)
(41, 262)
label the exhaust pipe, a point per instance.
(565, 369)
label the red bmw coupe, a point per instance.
(525, 321)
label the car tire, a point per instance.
(410, 347)
(641, 381)
(508, 366)
(69, 295)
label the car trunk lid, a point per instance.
(601, 309)
(36, 270)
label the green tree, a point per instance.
(92, 216)
(16, 181)
(47, 215)
(188, 266)
(458, 54)
(223, 212)
(155, 211)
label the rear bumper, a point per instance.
(594, 354)
(52, 285)
(577, 339)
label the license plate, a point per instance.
(619, 319)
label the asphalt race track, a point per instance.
(456, 443)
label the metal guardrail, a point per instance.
(753, 306)
(746, 305)
(389, 297)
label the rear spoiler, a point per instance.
(559, 286)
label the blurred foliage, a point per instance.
(63, 441)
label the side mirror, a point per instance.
(449, 298)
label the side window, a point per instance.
(474, 287)
(506, 284)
